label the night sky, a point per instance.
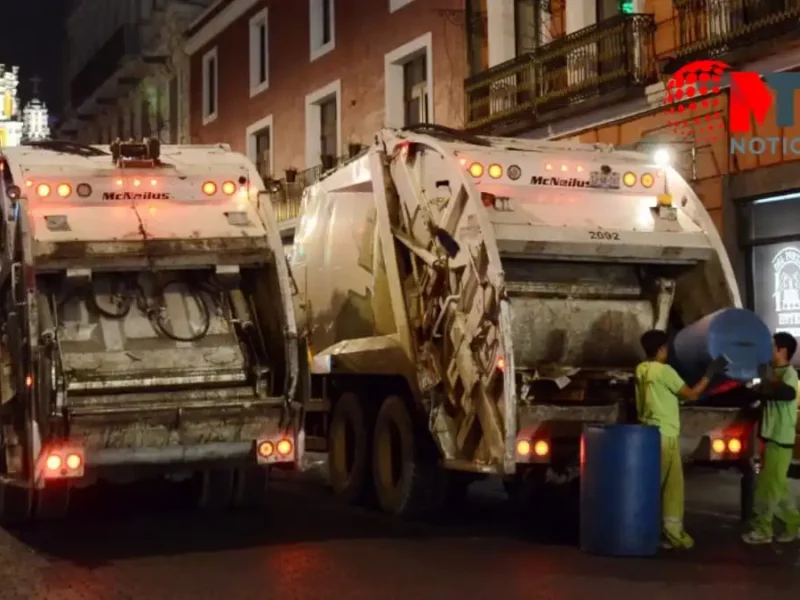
(32, 38)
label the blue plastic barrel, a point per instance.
(621, 490)
(736, 333)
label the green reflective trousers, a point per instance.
(672, 496)
(773, 498)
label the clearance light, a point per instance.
(84, 190)
(501, 363)
(266, 449)
(541, 448)
(119, 182)
(64, 190)
(209, 188)
(579, 168)
(54, 462)
(564, 168)
(648, 180)
(548, 167)
(629, 179)
(228, 188)
(43, 190)
(495, 171)
(29, 381)
(284, 447)
(476, 170)
(665, 200)
(28, 183)
(718, 446)
(734, 446)
(137, 182)
(74, 461)
(153, 182)
(523, 448)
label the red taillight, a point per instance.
(501, 363)
(285, 447)
(524, 448)
(54, 462)
(266, 449)
(74, 461)
(541, 448)
(487, 199)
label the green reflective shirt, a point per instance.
(657, 403)
(779, 419)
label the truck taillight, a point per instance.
(209, 188)
(63, 463)
(280, 450)
(84, 190)
(476, 170)
(43, 190)
(533, 450)
(228, 188)
(64, 190)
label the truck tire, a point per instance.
(216, 489)
(408, 480)
(349, 447)
(52, 501)
(250, 487)
(15, 505)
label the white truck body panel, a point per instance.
(554, 277)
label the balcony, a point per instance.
(734, 30)
(607, 62)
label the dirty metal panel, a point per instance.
(100, 353)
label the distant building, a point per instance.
(10, 123)
(35, 121)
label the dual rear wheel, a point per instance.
(379, 454)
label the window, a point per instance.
(322, 27)
(414, 91)
(323, 125)
(210, 86)
(259, 53)
(259, 146)
(327, 127)
(409, 83)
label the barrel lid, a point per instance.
(743, 338)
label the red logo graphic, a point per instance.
(692, 108)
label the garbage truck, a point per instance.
(469, 303)
(147, 324)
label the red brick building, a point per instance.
(293, 83)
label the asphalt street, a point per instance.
(140, 542)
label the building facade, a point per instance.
(298, 85)
(126, 75)
(598, 73)
(35, 121)
(10, 118)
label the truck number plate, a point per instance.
(605, 181)
(604, 235)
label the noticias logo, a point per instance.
(692, 109)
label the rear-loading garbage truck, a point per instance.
(469, 303)
(147, 324)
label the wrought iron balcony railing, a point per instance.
(613, 57)
(711, 28)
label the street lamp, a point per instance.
(662, 157)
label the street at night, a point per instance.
(306, 546)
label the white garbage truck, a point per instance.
(471, 302)
(147, 324)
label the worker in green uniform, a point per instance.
(773, 498)
(659, 389)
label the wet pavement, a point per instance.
(123, 543)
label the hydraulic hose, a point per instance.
(157, 319)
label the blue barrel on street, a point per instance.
(621, 490)
(736, 333)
